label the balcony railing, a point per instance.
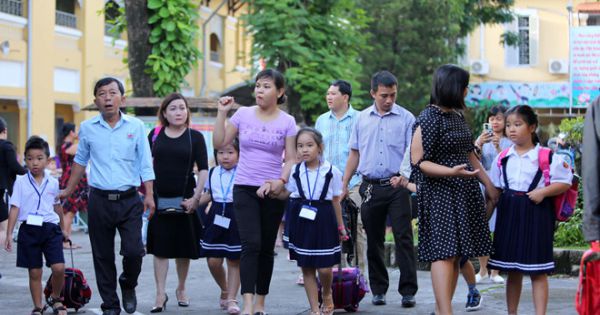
(66, 19)
(13, 7)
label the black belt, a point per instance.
(379, 181)
(114, 195)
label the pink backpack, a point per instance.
(564, 204)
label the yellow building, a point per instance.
(67, 47)
(535, 72)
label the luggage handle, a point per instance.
(71, 248)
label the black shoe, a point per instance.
(129, 300)
(408, 301)
(378, 299)
(159, 309)
(111, 312)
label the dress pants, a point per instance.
(105, 218)
(386, 200)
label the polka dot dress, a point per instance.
(451, 209)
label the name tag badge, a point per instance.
(222, 221)
(308, 212)
(36, 220)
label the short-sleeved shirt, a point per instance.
(381, 140)
(336, 135)
(120, 155)
(489, 153)
(262, 145)
(523, 169)
(221, 182)
(26, 197)
(318, 174)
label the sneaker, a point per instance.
(479, 278)
(497, 279)
(473, 301)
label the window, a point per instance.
(593, 19)
(215, 48)
(13, 7)
(65, 13)
(526, 25)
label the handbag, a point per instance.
(165, 205)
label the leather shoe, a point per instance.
(129, 300)
(408, 301)
(378, 299)
(111, 312)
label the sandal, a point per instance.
(327, 307)
(223, 301)
(57, 307)
(232, 307)
(37, 311)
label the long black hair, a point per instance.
(3, 125)
(448, 87)
(529, 116)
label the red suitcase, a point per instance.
(587, 300)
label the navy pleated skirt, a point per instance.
(218, 241)
(524, 235)
(313, 243)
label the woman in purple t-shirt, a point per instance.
(265, 132)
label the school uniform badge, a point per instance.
(565, 164)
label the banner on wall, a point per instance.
(585, 64)
(544, 95)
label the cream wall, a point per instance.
(88, 55)
(553, 44)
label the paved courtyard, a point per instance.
(286, 297)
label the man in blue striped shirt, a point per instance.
(336, 127)
(117, 146)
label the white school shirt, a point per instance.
(335, 185)
(220, 179)
(26, 198)
(520, 170)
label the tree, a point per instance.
(312, 43)
(411, 38)
(161, 40)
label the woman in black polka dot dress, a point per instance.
(452, 219)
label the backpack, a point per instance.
(76, 292)
(564, 204)
(587, 299)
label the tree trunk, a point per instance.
(139, 48)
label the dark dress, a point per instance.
(9, 169)
(524, 237)
(452, 219)
(79, 199)
(176, 235)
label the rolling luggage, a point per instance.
(587, 300)
(76, 292)
(349, 286)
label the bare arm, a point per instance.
(432, 169)
(72, 149)
(77, 171)
(351, 166)
(149, 198)
(337, 207)
(12, 220)
(223, 134)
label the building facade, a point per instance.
(536, 71)
(68, 47)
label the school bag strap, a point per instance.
(328, 177)
(210, 172)
(296, 177)
(502, 159)
(545, 159)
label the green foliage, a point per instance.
(412, 38)
(573, 128)
(311, 42)
(476, 116)
(570, 233)
(173, 40)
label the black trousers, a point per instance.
(395, 202)
(105, 217)
(258, 221)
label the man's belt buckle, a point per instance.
(384, 182)
(113, 197)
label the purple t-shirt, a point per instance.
(261, 145)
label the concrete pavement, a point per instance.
(285, 298)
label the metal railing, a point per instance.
(66, 19)
(13, 7)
